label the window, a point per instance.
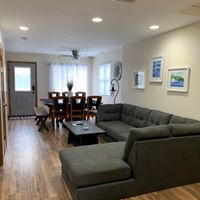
(60, 74)
(104, 79)
(22, 76)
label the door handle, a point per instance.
(5, 104)
(33, 87)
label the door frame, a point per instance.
(8, 78)
(3, 106)
(1, 109)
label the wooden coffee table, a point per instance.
(83, 132)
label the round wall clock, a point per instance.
(117, 71)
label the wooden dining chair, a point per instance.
(83, 94)
(59, 110)
(77, 108)
(64, 94)
(50, 96)
(93, 103)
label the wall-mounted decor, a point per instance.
(113, 91)
(156, 70)
(178, 79)
(139, 80)
(117, 70)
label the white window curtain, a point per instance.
(61, 73)
(104, 79)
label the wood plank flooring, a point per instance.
(32, 167)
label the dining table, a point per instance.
(47, 102)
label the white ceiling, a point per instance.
(57, 26)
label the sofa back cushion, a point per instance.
(128, 112)
(140, 134)
(181, 120)
(178, 130)
(158, 118)
(109, 112)
(140, 117)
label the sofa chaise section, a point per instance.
(96, 171)
(152, 158)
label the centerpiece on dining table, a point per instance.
(70, 85)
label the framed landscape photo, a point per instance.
(178, 79)
(156, 70)
(138, 80)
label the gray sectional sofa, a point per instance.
(118, 119)
(153, 151)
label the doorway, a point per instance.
(22, 88)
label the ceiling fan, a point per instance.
(74, 54)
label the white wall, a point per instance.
(43, 62)
(112, 58)
(0, 37)
(179, 48)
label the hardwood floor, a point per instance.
(32, 167)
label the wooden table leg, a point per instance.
(43, 123)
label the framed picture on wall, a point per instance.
(138, 80)
(156, 70)
(178, 79)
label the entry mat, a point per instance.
(21, 117)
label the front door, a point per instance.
(22, 82)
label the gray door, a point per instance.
(22, 79)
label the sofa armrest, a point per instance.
(109, 112)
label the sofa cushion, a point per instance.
(181, 120)
(185, 129)
(147, 133)
(128, 112)
(116, 129)
(158, 118)
(140, 117)
(108, 112)
(103, 164)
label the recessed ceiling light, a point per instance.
(154, 27)
(97, 19)
(23, 28)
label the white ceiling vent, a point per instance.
(192, 10)
(126, 1)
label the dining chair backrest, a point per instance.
(50, 96)
(77, 107)
(64, 94)
(60, 104)
(59, 109)
(93, 102)
(53, 94)
(83, 94)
